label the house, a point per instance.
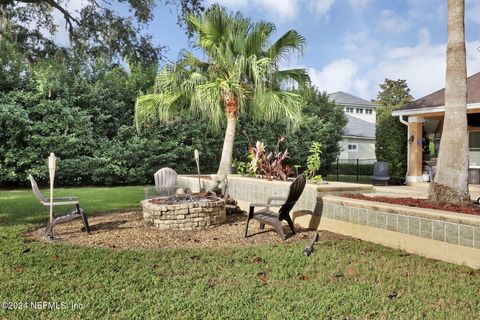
(424, 118)
(358, 140)
(355, 106)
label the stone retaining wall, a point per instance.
(448, 236)
(259, 190)
(186, 216)
(441, 226)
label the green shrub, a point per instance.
(83, 112)
(314, 162)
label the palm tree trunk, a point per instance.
(227, 151)
(451, 181)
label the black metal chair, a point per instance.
(61, 201)
(380, 172)
(266, 216)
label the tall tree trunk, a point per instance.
(227, 151)
(451, 181)
(3, 20)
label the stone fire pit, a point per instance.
(184, 212)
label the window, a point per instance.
(359, 110)
(368, 111)
(353, 147)
(349, 110)
(474, 146)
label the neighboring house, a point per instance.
(424, 118)
(355, 106)
(358, 141)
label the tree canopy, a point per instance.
(81, 107)
(394, 93)
(391, 134)
(84, 113)
(241, 74)
(241, 67)
(96, 28)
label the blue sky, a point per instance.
(352, 45)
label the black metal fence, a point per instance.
(351, 170)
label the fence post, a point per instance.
(357, 170)
(337, 169)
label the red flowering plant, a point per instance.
(272, 164)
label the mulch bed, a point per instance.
(419, 203)
(128, 231)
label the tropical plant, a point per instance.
(451, 180)
(257, 157)
(314, 162)
(276, 161)
(270, 164)
(240, 75)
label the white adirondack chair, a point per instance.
(165, 183)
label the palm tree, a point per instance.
(451, 181)
(241, 74)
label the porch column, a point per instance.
(415, 136)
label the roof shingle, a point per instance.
(359, 128)
(346, 99)
(437, 98)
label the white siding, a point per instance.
(365, 149)
(371, 118)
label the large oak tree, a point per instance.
(98, 27)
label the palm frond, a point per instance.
(258, 70)
(289, 42)
(295, 77)
(192, 82)
(206, 100)
(272, 106)
(188, 60)
(241, 65)
(258, 37)
(213, 28)
(156, 107)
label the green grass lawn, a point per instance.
(340, 280)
